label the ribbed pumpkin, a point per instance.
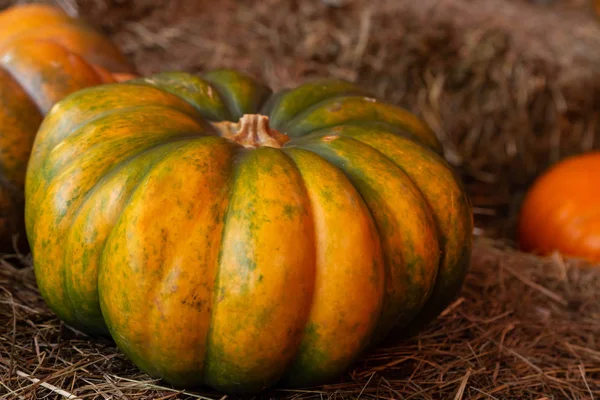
(44, 55)
(226, 235)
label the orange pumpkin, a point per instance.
(561, 211)
(227, 235)
(44, 55)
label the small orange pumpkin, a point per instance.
(561, 211)
(44, 55)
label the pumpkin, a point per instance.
(560, 211)
(227, 235)
(44, 55)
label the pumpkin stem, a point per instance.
(252, 131)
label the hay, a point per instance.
(522, 327)
(510, 86)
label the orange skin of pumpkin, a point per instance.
(44, 56)
(561, 211)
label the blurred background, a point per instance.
(509, 86)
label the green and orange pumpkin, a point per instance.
(225, 235)
(44, 55)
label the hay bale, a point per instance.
(510, 86)
(522, 327)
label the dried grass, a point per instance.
(510, 86)
(522, 327)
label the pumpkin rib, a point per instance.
(102, 74)
(116, 168)
(30, 70)
(21, 12)
(314, 93)
(73, 99)
(79, 38)
(150, 148)
(344, 109)
(163, 151)
(76, 136)
(18, 20)
(15, 79)
(58, 175)
(129, 110)
(187, 88)
(74, 209)
(217, 269)
(450, 276)
(235, 87)
(19, 118)
(267, 258)
(369, 126)
(48, 54)
(287, 127)
(69, 112)
(63, 114)
(411, 262)
(347, 265)
(214, 298)
(151, 270)
(92, 46)
(21, 115)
